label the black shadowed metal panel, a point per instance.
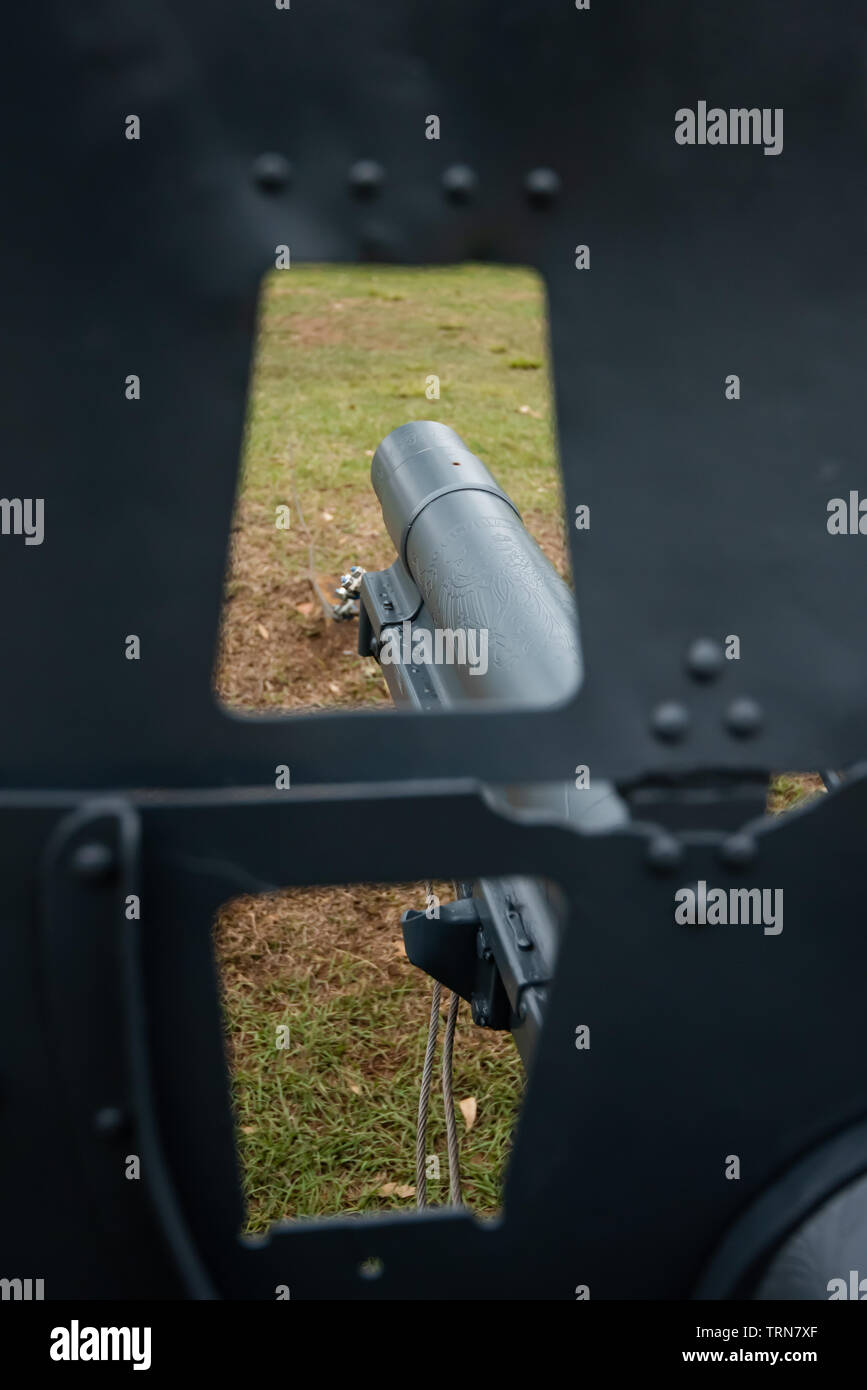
(708, 518)
(143, 257)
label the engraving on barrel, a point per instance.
(500, 590)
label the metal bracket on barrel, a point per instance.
(453, 949)
(387, 597)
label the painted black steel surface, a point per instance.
(708, 518)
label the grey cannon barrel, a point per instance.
(477, 571)
(465, 563)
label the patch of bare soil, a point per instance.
(278, 650)
(360, 921)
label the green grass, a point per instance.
(327, 1123)
(791, 789)
(344, 356)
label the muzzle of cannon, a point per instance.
(472, 610)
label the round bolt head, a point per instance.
(93, 860)
(743, 718)
(670, 721)
(705, 659)
(738, 850)
(272, 172)
(459, 183)
(664, 853)
(542, 186)
(366, 177)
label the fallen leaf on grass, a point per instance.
(262, 630)
(305, 608)
(393, 1189)
(468, 1109)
